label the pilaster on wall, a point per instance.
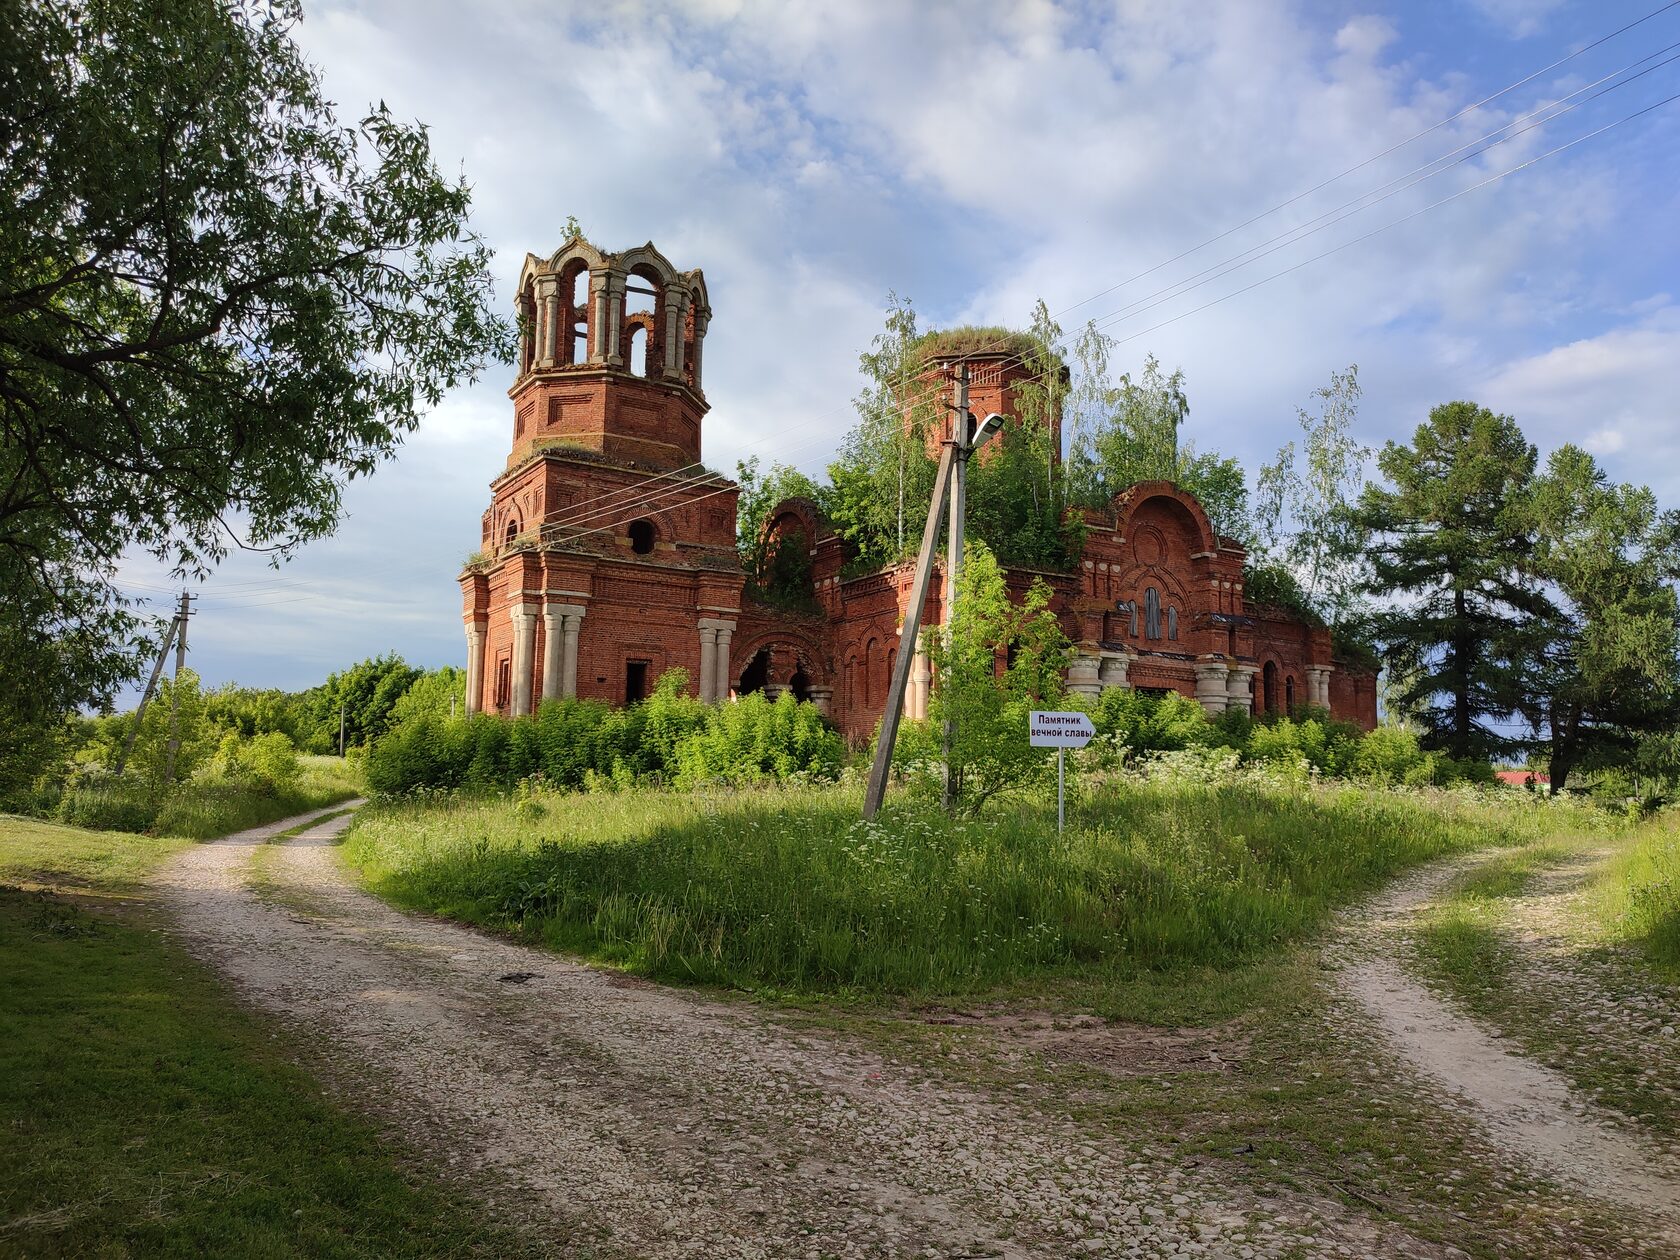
(524, 617)
(475, 665)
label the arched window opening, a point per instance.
(1269, 687)
(1152, 613)
(528, 330)
(510, 533)
(571, 339)
(800, 685)
(870, 651)
(1289, 695)
(641, 537)
(637, 358)
(756, 674)
(1172, 624)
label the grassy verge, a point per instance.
(147, 1114)
(789, 891)
(1581, 1001)
(1638, 895)
(210, 807)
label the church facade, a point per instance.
(607, 555)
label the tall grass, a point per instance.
(1639, 891)
(206, 807)
(789, 889)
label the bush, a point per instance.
(576, 745)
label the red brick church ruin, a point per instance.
(608, 553)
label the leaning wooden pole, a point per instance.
(146, 695)
(907, 638)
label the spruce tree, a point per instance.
(1452, 555)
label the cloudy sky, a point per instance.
(977, 156)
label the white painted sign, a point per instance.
(1059, 730)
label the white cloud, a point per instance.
(977, 157)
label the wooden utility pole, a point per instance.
(174, 746)
(146, 695)
(341, 728)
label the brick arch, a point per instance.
(809, 516)
(807, 653)
(1178, 503)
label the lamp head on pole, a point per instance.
(982, 431)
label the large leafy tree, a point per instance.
(1453, 561)
(1610, 670)
(1303, 517)
(218, 303)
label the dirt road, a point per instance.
(636, 1120)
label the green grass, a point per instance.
(789, 891)
(210, 807)
(1639, 894)
(146, 1113)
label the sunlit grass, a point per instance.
(789, 890)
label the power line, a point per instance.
(1297, 266)
(618, 499)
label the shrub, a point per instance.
(1386, 754)
(755, 740)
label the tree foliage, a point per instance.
(997, 661)
(1453, 557)
(1304, 518)
(218, 304)
(1610, 666)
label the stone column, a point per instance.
(1114, 669)
(475, 666)
(675, 301)
(708, 662)
(548, 301)
(612, 321)
(822, 697)
(1082, 676)
(701, 318)
(524, 617)
(553, 650)
(1240, 686)
(724, 677)
(921, 682)
(1212, 691)
(561, 665)
(1318, 685)
(599, 299)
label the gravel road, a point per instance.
(1529, 1109)
(638, 1120)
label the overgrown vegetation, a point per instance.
(1185, 864)
(1639, 893)
(669, 738)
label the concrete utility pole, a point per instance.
(954, 537)
(174, 746)
(146, 695)
(964, 438)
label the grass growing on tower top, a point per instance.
(789, 890)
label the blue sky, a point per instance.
(976, 156)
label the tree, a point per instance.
(1452, 558)
(367, 694)
(1304, 515)
(777, 569)
(438, 693)
(218, 304)
(1129, 432)
(988, 705)
(1611, 664)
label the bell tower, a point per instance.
(610, 355)
(607, 556)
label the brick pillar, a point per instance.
(475, 666)
(524, 617)
(708, 661)
(612, 320)
(1212, 690)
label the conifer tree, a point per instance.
(1453, 564)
